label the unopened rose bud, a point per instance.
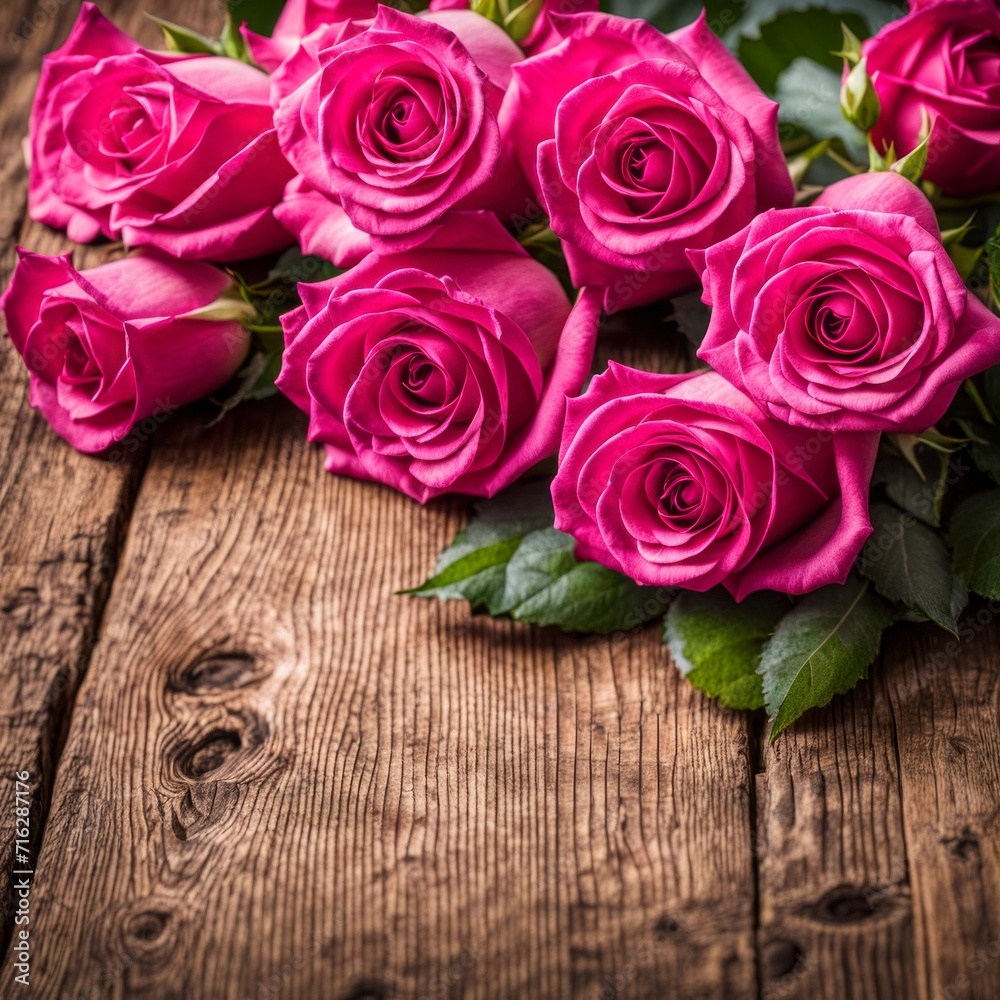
(858, 99)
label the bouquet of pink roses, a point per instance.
(459, 194)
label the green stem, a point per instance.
(843, 161)
(978, 401)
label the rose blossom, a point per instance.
(320, 226)
(642, 145)
(679, 480)
(942, 59)
(174, 152)
(440, 369)
(398, 123)
(309, 55)
(112, 345)
(848, 314)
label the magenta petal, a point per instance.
(824, 551)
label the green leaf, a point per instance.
(511, 561)
(966, 259)
(906, 488)
(233, 43)
(822, 647)
(987, 459)
(692, 316)
(256, 381)
(521, 19)
(908, 562)
(668, 15)
(776, 34)
(294, 266)
(808, 97)
(974, 534)
(716, 643)
(260, 15)
(992, 250)
(851, 48)
(911, 166)
(181, 39)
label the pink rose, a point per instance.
(541, 34)
(943, 58)
(398, 123)
(112, 345)
(848, 314)
(441, 369)
(299, 18)
(641, 146)
(173, 152)
(680, 481)
(320, 226)
(308, 55)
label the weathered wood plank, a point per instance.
(61, 514)
(280, 775)
(945, 700)
(836, 919)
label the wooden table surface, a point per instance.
(257, 773)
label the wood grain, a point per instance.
(836, 919)
(281, 779)
(945, 701)
(279, 772)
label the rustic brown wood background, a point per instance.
(260, 774)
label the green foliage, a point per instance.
(808, 97)
(294, 266)
(181, 39)
(974, 533)
(259, 15)
(511, 561)
(992, 252)
(907, 488)
(692, 317)
(822, 647)
(232, 41)
(909, 563)
(767, 46)
(716, 643)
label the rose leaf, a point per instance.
(716, 643)
(974, 534)
(909, 563)
(905, 487)
(510, 561)
(822, 647)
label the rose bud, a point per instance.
(170, 151)
(941, 63)
(440, 369)
(641, 146)
(859, 102)
(848, 314)
(681, 481)
(112, 345)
